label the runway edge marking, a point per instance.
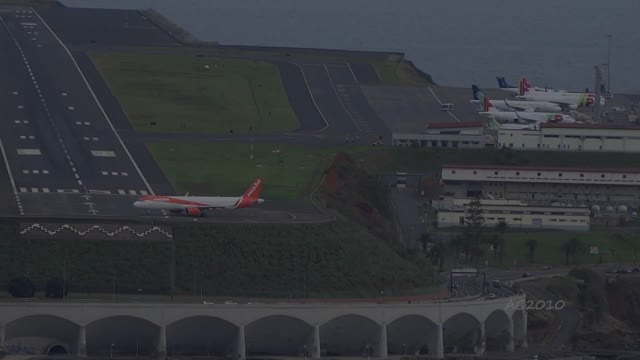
(13, 183)
(95, 98)
(304, 77)
(333, 86)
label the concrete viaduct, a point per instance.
(247, 330)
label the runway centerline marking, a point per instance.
(340, 98)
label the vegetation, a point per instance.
(22, 287)
(55, 288)
(227, 168)
(400, 73)
(172, 93)
(323, 260)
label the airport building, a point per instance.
(572, 137)
(543, 185)
(446, 135)
(516, 214)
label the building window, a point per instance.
(581, 175)
(495, 173)
(453, 171)
(624, 176)
(538, 174)
(602, 175)
(474, 172)
(560, 174)
(461, 220)
(518, 173)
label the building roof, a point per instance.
(454, 125)
(541, 168)
(591, 126)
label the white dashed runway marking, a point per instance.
(28, 151)
(101, 153)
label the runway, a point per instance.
(72, 153)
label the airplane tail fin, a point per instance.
(522, 86)
(484, 100)
(492, 124)
(476, 91)
(253, 192)
(502, 83)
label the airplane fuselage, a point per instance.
(201, 202)
(518, 117)
(510, 105)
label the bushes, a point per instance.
(21, 287)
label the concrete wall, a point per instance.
(97, 329)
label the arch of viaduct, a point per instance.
(242, 330)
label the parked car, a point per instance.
(526, 274)
(546, 267)
(635, 269)
(496, 283)
(491, 296)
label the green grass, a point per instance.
(335, 259)
(90, 264)
(286, 260)
(178, 95)
(549, 248)
(398, 73)
(227, 169)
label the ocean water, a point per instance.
(459, 42)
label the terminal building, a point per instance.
(517, 214)
(543, 185)
(445, 135)
(572, 137)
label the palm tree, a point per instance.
(531, 245)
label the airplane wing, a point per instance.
(522, 108)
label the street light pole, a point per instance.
(113, 291)
(609, 66)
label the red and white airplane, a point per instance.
(195, 205)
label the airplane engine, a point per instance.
(193, 211)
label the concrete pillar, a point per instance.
(480, 340)
(162, 341)
(82, 342)
(1, 336)
(510, 347)
(241, 350)
(523, 330)
(436, 343)
(315, 342)
(382, 342)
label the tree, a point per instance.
(472, 234)
(627, 241)
(437, 253)
(494, 241)
(571, 248)
(54, 288)
(425, 239)
(21, 287)
(531, 245)
(501, 227)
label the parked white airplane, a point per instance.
(565, 100)
(195, 205)
(515, 117)
(511, 105)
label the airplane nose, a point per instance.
(137, 204)
(260, 201)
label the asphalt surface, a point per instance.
(104, 26)
(70, 143)
(79, 167)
